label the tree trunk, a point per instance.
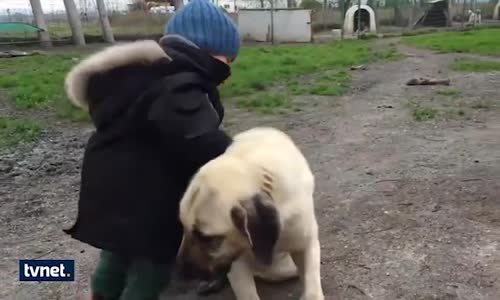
(178, 4)
(36, 6)
(261, 3)
(107, 32)
(74, 23)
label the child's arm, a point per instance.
(187, 120)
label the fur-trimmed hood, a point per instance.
(140, 52)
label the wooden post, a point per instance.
(74, 23)
(44, 36)
(107, 32)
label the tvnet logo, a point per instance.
(46, 270)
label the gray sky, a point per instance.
(47, 5)
(25, 4)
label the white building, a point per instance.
(234, 5)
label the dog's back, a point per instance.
(275, 151)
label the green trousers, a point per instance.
(122, 278)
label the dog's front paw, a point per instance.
(313, 296)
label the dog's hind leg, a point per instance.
(309, 265)
(242, 281)
(283, 268)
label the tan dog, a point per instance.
(251, 212)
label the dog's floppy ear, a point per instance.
(258, 220)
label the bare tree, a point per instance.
(107, 32)
(36, 6)
(74, 23)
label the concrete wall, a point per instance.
(254, 25)
(292, 25)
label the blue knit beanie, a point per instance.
(208, 27)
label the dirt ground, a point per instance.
(407, 210)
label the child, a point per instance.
(157, 114)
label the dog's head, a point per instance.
(226, 211)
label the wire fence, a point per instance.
(405, 16)
(125, 22)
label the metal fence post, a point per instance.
(324, 14)
(463, 15)
(359, 18)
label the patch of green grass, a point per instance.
(260, 67)
(15, 131)
(327, 85)
(467, 65)
(265, 103)
(336, 84)
(484, 41)
(331, 85)
(449, 92)
(295, 88)
(422, 113)
(386, 54)
(37, 82)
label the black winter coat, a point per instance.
(157, 113)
